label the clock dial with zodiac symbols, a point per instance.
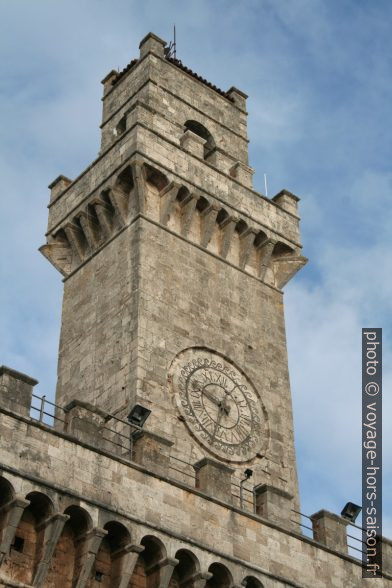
(219, 405)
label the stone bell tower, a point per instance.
(173, 272)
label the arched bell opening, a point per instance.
(200, 130)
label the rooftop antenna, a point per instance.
(265, 185)
(171, 50)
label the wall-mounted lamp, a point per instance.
(351, 511)
(138, 415)
(248, 473)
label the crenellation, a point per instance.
(16, 390)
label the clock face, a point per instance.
(219, 404)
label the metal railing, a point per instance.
(121, 438)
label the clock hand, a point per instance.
(212, 398)
(220, 414)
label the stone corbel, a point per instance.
(104, 217)
(75, 237)
(168, 197)
(247, 239)
(59, 253)
(188, 207)
(139, 182)
(53, 529)
(208, 224)
(91, 547)
(227, 228)
(286, 267)
(86, 222)
(13, 512)
(129, 555)
(120, 203)
(265, 248)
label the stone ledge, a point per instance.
(207, 461)
(17, 375)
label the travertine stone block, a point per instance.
(288, 201)
(152, 451)
(16, 390)
(107, 81)
(58, 186)
(151, 44)
(214, 478)
(330, 529)
(86, 422)
(220, 160)
(238, 97)
(193, 143)
(243, 173)
(274, 504)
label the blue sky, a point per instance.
(318, 75)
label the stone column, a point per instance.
(12, 512)
(166, 567)
(54, 527)
(330, 529)
(15, 391)
(214, 478)
(129, 555)
(152, 451)
(91, 546)
(197, 580)
(274, 504)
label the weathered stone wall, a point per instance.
(95, 491)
